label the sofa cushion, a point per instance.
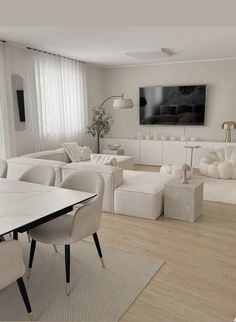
(17, 166)
(56, 155)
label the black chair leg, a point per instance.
(96, 241)
(67, 264)
(31, 258)
(15, 235)
(25, 297)
(2, 239)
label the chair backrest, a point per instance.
(11, 265)
(40, 174)
(87, 218)
(3, 168)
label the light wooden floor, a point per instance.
(198, 281)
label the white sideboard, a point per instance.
(154, 152)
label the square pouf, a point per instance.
(183, 201)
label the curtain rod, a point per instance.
(47, 52)
(53, 54)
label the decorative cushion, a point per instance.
(220, 164)
(103, 159)
(75, 152)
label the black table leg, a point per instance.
(15, 235)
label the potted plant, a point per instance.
(100, 124)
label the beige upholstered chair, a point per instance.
(12, 269)
(220, 164)
(69, 229)
(3, 168)
(40, 174)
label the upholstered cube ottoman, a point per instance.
(141, 194)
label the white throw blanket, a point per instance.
(103, 159)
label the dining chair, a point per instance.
(12, 269)
(41, 174)
(70, 229)
(3, 168)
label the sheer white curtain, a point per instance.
(7, 141)
(61, 96)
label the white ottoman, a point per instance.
(174, 169)
(141, 194)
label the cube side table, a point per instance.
(183, 201)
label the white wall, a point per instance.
(17, 63)
(94, 88)
(220, 77)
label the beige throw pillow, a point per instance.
(103, 159)
(75, 152)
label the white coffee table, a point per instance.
(183, 201)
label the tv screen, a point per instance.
(21, 104)
(172, 105)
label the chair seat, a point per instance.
(57, 231)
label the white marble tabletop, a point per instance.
(22, 203)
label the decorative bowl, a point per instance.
(114, 146)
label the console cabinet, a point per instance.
(153, 152)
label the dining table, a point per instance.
(25, 205)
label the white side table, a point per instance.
(183, 201)
(115, 152)
(192, 147)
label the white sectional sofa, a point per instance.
(134, 193)
(123, 161)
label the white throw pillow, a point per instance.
(75, 152)
(103, 159)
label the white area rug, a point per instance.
(218, 190)
(97, 294)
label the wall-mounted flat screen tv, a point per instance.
(172, 105)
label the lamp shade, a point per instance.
(124, 103)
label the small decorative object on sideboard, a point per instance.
(228, 126)
(185, 168)
(164, 137)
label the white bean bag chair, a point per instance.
(220, 164)
(174, 169)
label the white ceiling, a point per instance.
(118, 12)
(107, 45)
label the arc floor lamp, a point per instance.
(120, 102)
